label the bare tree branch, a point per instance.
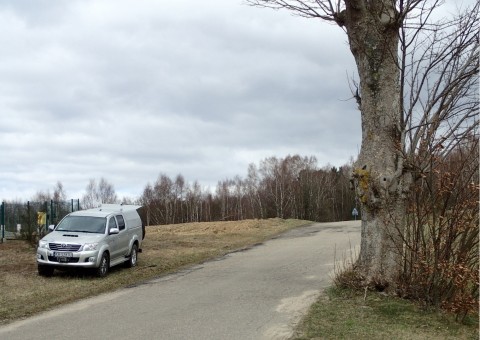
(322, 9)
(443, 80)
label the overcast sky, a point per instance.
(127, 90)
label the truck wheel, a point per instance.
(102, 270)
(46, 271)
(132, 261)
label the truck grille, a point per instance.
(64, 246)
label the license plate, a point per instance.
(62, 254)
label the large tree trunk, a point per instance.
(378, 176)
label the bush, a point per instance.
(441, 241)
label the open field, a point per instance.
(165, 249)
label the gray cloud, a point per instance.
(126, 91)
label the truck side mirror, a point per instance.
(51, 227)
(113, 231)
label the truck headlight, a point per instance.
(43, 244)
(90, 246)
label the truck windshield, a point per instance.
(82, 224)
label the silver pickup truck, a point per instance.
(97, 238)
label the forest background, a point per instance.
(290, 187)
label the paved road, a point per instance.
(259, 293)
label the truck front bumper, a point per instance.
(84, 259)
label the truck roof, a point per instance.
(106, 209)
(118, 207)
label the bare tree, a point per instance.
(440, 88)
(90, 199)
(95, 194)
(42, 196)
(382, 176)
(224, 197)
(147, 200)
(274, 184)
(179, 187)
(253, 192)
(239, 191)
(106, 192)
(440, 91)
(164, 198)
(59, 194)
(194, 202)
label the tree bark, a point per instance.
(372, 28)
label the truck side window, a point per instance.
(121, 222)
(111, 223)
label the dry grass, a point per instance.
(351, 314)
(165, 249)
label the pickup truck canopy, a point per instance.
(118, 207)
(125, 208)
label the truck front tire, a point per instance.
(102, 270)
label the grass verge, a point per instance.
(347, 314)
(165, 249)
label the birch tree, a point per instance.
(383, 174)
(90, 199)
(253, 192)
(96, 194)
(106, 192)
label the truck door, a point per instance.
(123, 236)
(113, 239)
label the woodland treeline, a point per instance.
(290, 187)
